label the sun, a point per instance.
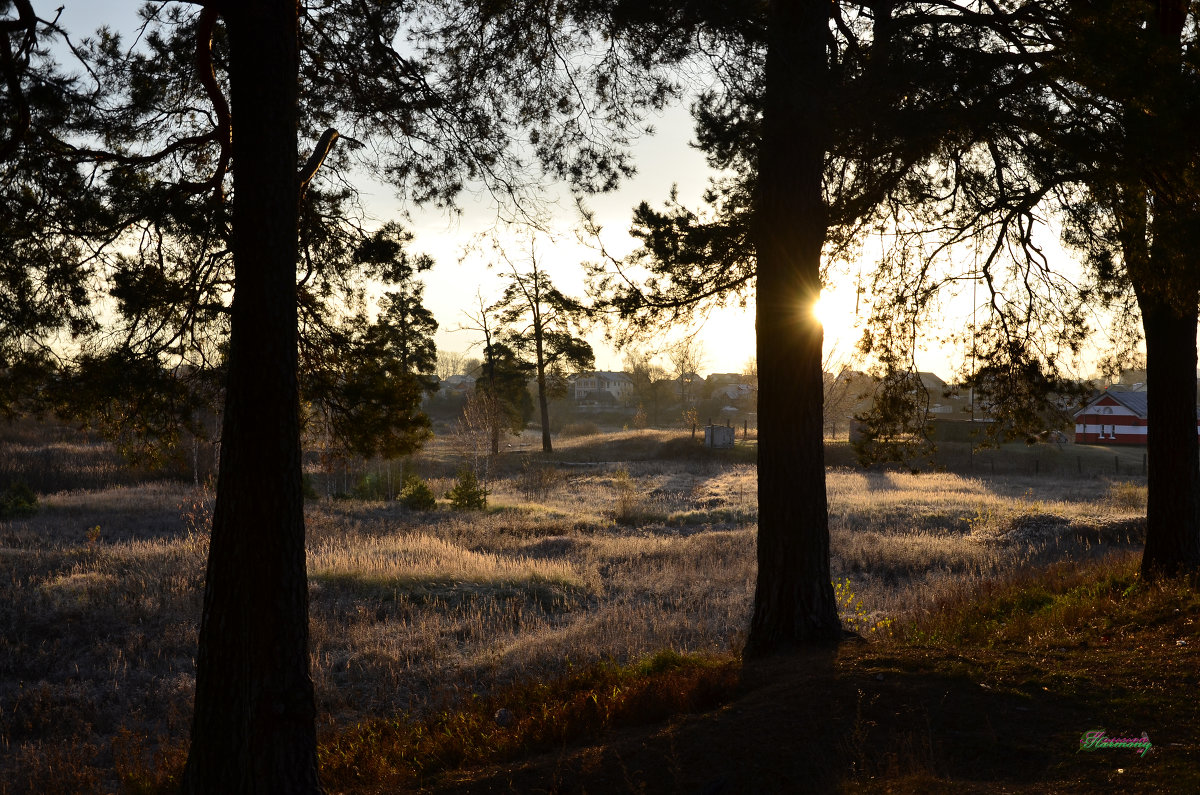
(824, 311)
(838, 313)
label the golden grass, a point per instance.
(409, 610)
(140, 497)
(403, 561)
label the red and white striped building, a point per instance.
(1112, 418)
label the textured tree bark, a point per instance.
(794, 602)
(1172, 449)
(1166, 286)
(254, 724)
(1166, 292)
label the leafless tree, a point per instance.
(450, 363)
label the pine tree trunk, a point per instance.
(1172, 450)
(543, 405)
(794, 601)
(254, 724)
(1166, 289)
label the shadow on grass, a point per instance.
(994, 698)
(879, 480)
(859, 722)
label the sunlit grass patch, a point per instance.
(78, 589)
(537, 518)
(1127, 496)
(552, 596)
(412, 562)
(163, 495)
(732, 515)
(622, 445)
(892, 554)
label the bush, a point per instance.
(537, 480)
(370, 487)
(308, 487)
(18, 500)
(467, 494)
(416, 495)
(630, 508)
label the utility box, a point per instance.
(718, 436)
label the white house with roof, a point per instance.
(602, 386)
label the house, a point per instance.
(457, 385)
(601, 387)
(1115, 416)
(689, 387)
(716, 380)
(731, 392)
(934, 384)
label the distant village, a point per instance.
(1110, 413)
(620, 399)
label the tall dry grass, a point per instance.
(608, 557)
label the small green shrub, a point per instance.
(307, 487)
(370, 487)
(416, 495)
(467, 494)
(17, 501)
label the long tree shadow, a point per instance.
(852, 720)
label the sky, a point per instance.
(663, 160)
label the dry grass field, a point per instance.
(617, 547)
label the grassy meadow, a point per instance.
(616, 548)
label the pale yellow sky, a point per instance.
(662, 160)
